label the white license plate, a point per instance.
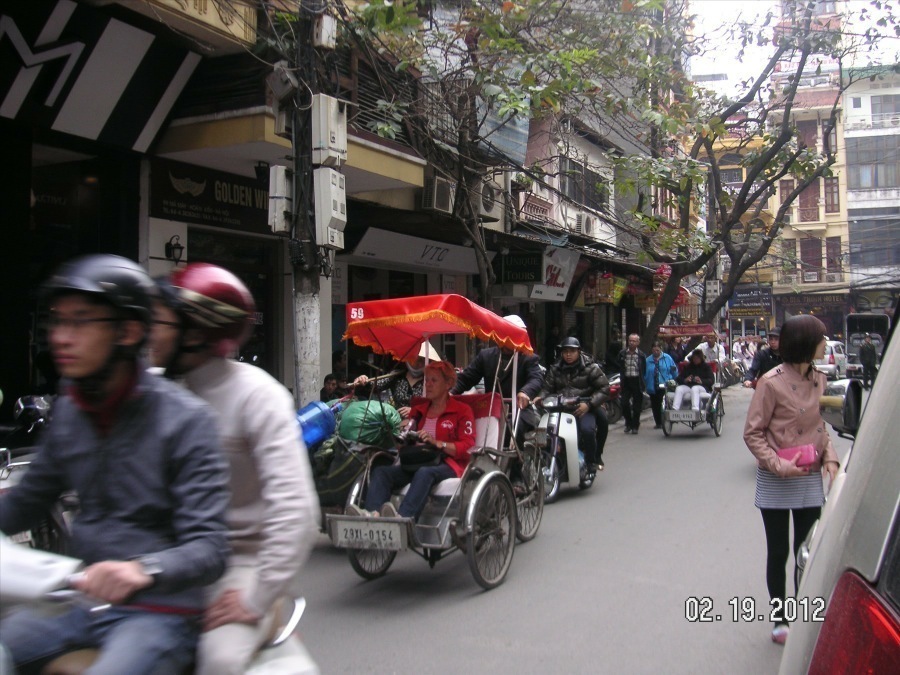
(682, 415)
(357, 533)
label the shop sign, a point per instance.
(194, 194)
(812, 300)
(645, 300)
(559, 269)
(425, 254)
(78, 71)
(686, 329)
(751, 300)
(521, 267)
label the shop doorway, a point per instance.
(255, 261)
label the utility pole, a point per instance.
(304, 253)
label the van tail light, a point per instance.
(861, 634)
(831, 359)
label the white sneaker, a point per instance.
(388, 511)
(354, 510)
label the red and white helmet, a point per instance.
(214, 300)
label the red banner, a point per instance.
(686, 329)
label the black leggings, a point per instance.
(777, 542)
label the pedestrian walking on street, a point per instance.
(784, 415)
(765, 358)
(634, 364)
(659, 370)
(868, 357)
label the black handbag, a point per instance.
(415, 457)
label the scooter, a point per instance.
(43, 580)
(557, 436)
(31, 414)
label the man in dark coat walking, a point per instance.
(634, 363)
(868, 357)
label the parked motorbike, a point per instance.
(557, 436)
(613, 404)
(31, 414)
(41, 579)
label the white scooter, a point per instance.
(41, 579)
(557, 436)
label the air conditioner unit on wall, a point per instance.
(834, 277)
(810, 277)
(437, 195)
(584, 224)
(790, 279)
(491, 205)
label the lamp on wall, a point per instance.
(174, 249)
(262, 171)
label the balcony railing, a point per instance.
(810, 276)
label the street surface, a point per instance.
(603, 587)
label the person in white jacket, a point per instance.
(204, 318)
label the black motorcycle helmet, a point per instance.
(569, 343)
(113, 279)
(116, 281)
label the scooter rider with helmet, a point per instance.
(144, 457)
(576, 374)
(204, 317)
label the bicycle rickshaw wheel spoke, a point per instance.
(530, 506)
(491, 539)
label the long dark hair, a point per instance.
(800, 336)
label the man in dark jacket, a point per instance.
(634, 363)
(144, 457)
(575, 374)
(868, 357)
(529, 377)
(764, 360)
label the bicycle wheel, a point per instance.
(491, 540)
(530, 505)
(718, 416)
(370, 563)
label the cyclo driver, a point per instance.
(576, 374)
(144, 458)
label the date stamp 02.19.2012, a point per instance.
(701, 609)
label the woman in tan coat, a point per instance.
(784, 413)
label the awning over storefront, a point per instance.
(78, 71)
(382, 248)
(684, 330)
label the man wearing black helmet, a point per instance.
(576, 374)
(764, 360)
(205, 316)
(143, 456)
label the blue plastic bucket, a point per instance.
(317, 423)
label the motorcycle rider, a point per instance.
(576, 374)
(205, 316)
(145, 460)
(764, 360)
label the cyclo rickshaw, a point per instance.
(712, 408)
(480, 513)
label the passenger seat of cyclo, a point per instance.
(686, 402)
(488, 410)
